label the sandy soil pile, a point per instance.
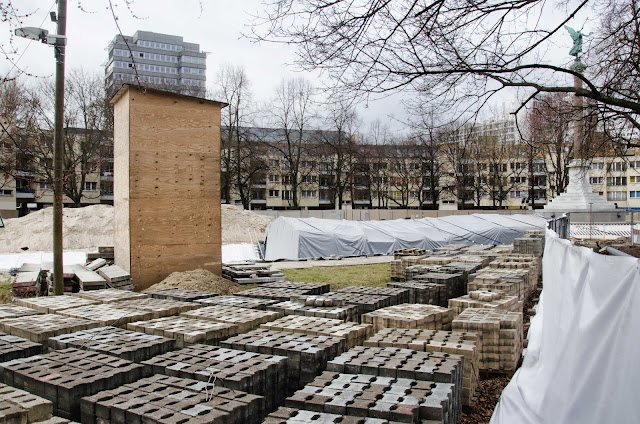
(92, 226)
(237, 223)
(198, 279)
(83, 228)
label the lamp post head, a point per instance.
(32, 33)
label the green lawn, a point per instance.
(375, 275)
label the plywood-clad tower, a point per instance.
(166, 183)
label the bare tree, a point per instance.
(376, 153)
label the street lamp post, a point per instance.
(58, 41)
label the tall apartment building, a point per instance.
(161, 60)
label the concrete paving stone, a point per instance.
(10, 310)
(245, 319)
(35, 408)
(159, 308)
(354, 334)
(13, 347)
(186, 331)
(299, 307)
(398, 295)
(64, 376)
(280, 294)
(423, 292)
(299, 416)
(110, 295)
(108, 314)
(239, 301)
(311, 288)
(179, 294)
(38, 328)
(125, 344)
(57, 420)
(364, 302)
(51, 304)
(410, 316)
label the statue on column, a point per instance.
(577, 40)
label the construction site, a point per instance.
(155, 326)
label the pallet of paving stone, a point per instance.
(52, 304)
(186, 331)
(245, 319)
(394, 362)
(96, 264)
(272, 293)
(255, 373)
(110, 295)
(114, 274)
(159, 308)
(108, 314)
(88, 279)
(306, 306)
(105, 252)
(125, 344)
(514, 282)
(306, 355)
(19, 406)
(239, 301)
(163, 399)
(409, 315)
(311, 288)
(29, 283)
(252, 274)
(65, 376)
(477, 248)
(13, 347)
(38, 328)
(454, 342)
(411, 271)
(397, 295)
(499, 336)
(354, 334)
(425, 293)
(10, 310)
(392, 399)
(484, 299)
(299, 416)
(173, 293)
(456, 283)
(364, 302)
(413, 251)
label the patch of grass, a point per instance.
(5, 290)
(374, 275)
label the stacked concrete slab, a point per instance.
(9, 310)
(245, 319)
(162, 399)
(239, 301)
(364, 302)
(311, 288)
(183, 295)
(116, 277)
(387, 398)
(531, 242)
(38, 328)
(186, 331)
(306, 355)
(107, 314)
(254, 373)
(110, 295)
(53, 304)
(299, 416)
(19, 406)
(316, 306)
(125, 344)
(65, 376)
(456, 283)
(354, 334)
(279, 294)
(499, 336)
(397, 295)
(485, 299)
(159, 308)
(410, 316)
(425, 293)
(13, 347)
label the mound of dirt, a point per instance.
(237, 224)
(198, 279)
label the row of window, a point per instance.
(192, 71)
(160, 46)
(194, 60)
(145, 78)
(148, 68)
(192, 82)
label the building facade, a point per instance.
(158, 60)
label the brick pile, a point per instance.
(18, 406)
(302, 307)
(354, 334)
(10, 310)
(245, 319)
(499, 336)
(110, 295)
(399, 253)
(13, 347)
(254, 373)
(414, 270)
(306, 355)
(124, 344)
(279, 294)
(485, 299)
(183, 295)
(397, 295)
(239, 301)
(159, 308)
(364, 302)
(107, 314)
(456, 283)
(38, 328)
(510, 282)
(430, 317)
(311, 288)
(186, 331)
(162, 399)
(425, 293)
(531, 242)
(52, 304)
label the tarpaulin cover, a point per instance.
(307, 238)
(581, 364)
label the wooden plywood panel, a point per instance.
(122, 252)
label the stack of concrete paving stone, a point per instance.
(510, 283)
(104, 252)
(399, 265)
(316, 306)
(364, 302)
(531, 264)
(280, 294)
(499, 336)
(451, 248)
(53, 304)
(124, 344)
(182, 295)
(311, 288)
(245, 319)
(13, 347)
(454, 342)
(425, 293)
(159, 308)
(252, 273)
(116, 277)
(64, 376)
(387, 398)
(110, 295)
(456, 283)
(239, 301)
(399, 253)
(254, 373)
(439, 259)
(96, 264)
(485, 299)
(354, 334)
(31, 280)
(87, 279)
(162, 399)
(531, 242)
(19, 406)
(412, 271)
(186, 331)
(306, 355)
(429, 317)
(477, 248)
(104, 314)
(38, 328)
(299, 416)
(397, 295)
(403, 363)
(459, 266)
(9, 310)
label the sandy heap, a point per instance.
(92, 226)
(198, 279)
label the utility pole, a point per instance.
(58, 151)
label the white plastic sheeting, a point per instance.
(306, 238)
(581, 365)
(239, 252)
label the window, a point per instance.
(634, 194)
(90, 186)
(518, 179)
(308, 164)
(597, 165)
(413, 195)
(274, 162)
(596, 180)
(617, 166)
(273, 178)
(309, 179)
(194, 60)
(632, 179)
(518, 194)
(287, 194)
(617, 195)
(286, 179)
(274, 193)
(307, 194)
(45, 185)
(616, 181)
(517, 166)
(4, 192)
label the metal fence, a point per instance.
(560, 226)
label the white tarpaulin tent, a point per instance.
(581, 364)
(306, 238)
